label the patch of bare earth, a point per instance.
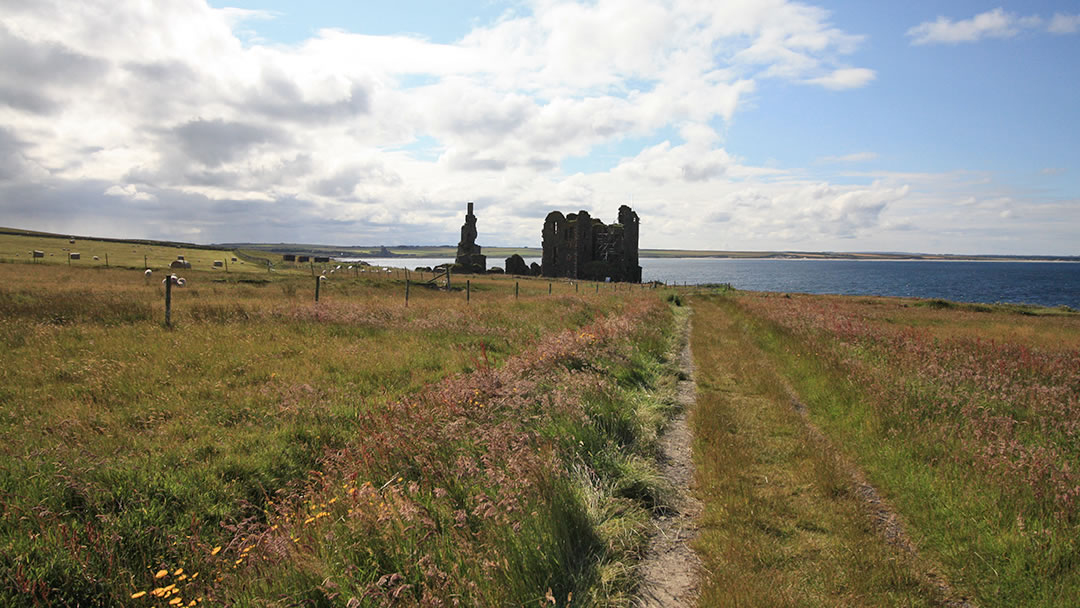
(670, 568)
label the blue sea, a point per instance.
(1042, 283)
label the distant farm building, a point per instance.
(303, 258)
(289, 257)
(75, 256)
(322, 259)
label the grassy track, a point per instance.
(963, 416)
(781, 526)
(501, 442)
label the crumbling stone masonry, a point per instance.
(515, 264)
(580, 247)
(468, 252)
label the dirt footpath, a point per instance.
(670, 568)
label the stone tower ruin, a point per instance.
(468, 257)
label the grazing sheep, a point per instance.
(96, 258)
(148, 273)
(322, 277)
(181, 282)
(178, 281)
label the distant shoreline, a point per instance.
(498, 253)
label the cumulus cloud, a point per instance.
(174, 121)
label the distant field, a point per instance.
(19, 248)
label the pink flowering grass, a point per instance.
(128, 449)
(969, 416)
(470, 492)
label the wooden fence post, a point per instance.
(168, 301)
(144, 265)
(406, 293)
(317, 282)
(515, 290)
(549, 288)
(468, 290)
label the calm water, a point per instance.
(1044, 283)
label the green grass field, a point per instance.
(495, 444)
(495, 448)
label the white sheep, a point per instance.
(322, 277)
(181, 282)
(148, 273)
(96, 258)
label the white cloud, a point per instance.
(846, 78)
(996, 23)
(170, 119)
(131, 192)
(856, 157)
(1064, 24)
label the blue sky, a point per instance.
(752, 125)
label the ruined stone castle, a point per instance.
(578, 246)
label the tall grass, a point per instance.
(967, 418)
(781, 524)
(131, 449)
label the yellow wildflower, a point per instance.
(178, 572)
(216, 549)
(137, 595)
(161, 574)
